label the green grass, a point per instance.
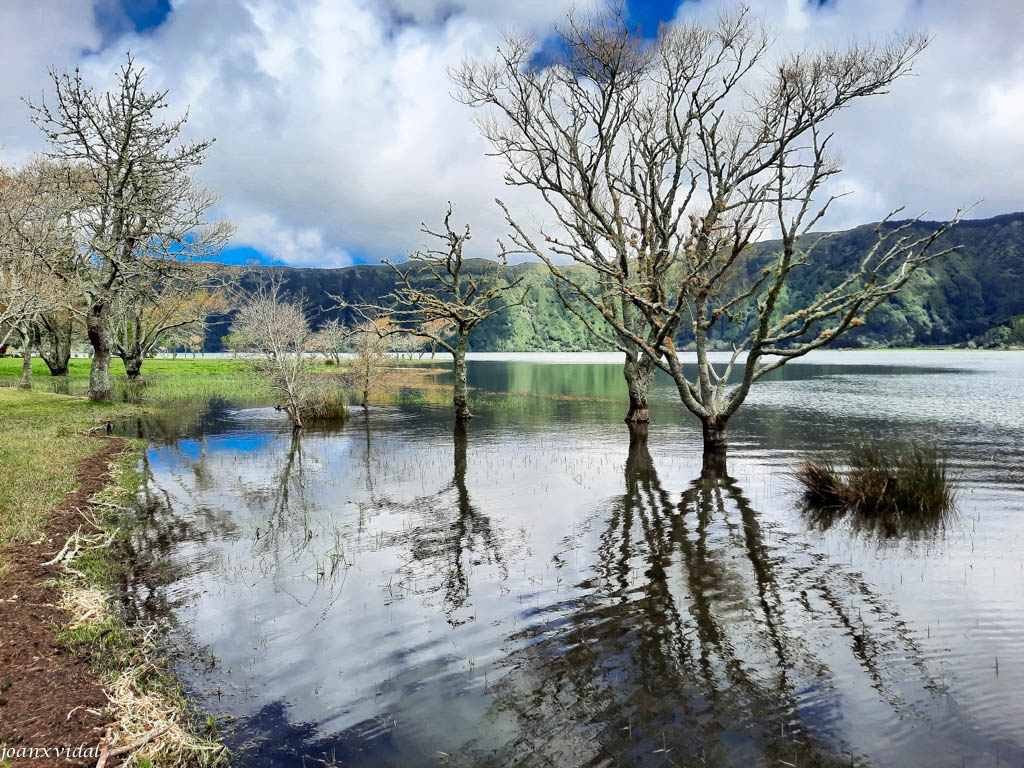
(44, 437)
(162, 380)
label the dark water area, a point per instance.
(545, 589)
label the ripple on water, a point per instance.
(541, 591)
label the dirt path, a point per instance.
(49, 698)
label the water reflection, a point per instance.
(151, 566)
(534, 591)
(697, 642)
(451, 538)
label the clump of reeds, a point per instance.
(326, 401)
(907, 484)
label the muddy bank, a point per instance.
(49, 696)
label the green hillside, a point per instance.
(965, 296)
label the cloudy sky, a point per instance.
(337, 135)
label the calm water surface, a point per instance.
(541, 590)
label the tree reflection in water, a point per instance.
(698, 643)
(451, 538)
(700, 636)
(148, 563)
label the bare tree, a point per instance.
(568, 126)
(34, 234)
(663, 161)
(436, 300)
(139, 211)
(331, 340)
(368, 342)
(277, 332)
(147, 311)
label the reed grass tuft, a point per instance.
(903, 486)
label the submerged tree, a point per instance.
(369, 357)
(138, 211)
(441, 301)
(663, 161)
(277, 332)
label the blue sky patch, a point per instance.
(115, 18)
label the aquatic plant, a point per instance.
(910, 483)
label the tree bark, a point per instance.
(53, 340)
(128, 345)
(132, 364)
(639, 373)
(715, 433)
(459, 399)
(99, 337)
(26, 361)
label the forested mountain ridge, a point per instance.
(960, 297)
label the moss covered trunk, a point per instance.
(638, 371)
(99, 337)
(460, 396)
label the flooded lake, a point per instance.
(542, 590)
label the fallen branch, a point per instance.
(106, 752)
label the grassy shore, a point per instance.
(44, 437)
(45, 442)
(162, 381)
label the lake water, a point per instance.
(541, 590)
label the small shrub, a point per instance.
(908, 486)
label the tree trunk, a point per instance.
(129, 349)
(461, 440)
(639, 465)
(715, 433)
(26, 361)
(639, 373)
(132, 364)
(99, 337)
(459, 399)
(54, 344)
(714, 466)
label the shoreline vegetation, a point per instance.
(76, 673)
(76, 676)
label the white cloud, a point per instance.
(34, 37)
(336, 134)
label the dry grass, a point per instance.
(153, 723)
